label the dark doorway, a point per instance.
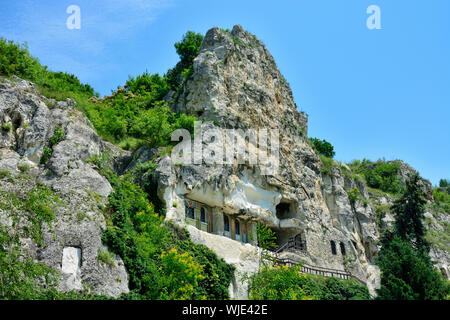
(333, 247)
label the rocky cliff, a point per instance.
(235, 84)
(72, 243)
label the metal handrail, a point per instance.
(292, 244)
(326, 272)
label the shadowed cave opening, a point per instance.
(285, 210)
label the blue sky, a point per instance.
(371, 93)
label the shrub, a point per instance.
(6, 126)
(176, 267)
(384, 176)
(4, 173)
(58, 136)
(283, 283)
(24, 167)
(327, 164)
(106, 257)
(15, 59)
(380, 175)
(353, 195)
(46, 155)
(323, 147)
(266, 237)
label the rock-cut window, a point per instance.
(202, 215)
(333, 247)
(342, 245)
(237, 227)
(226, 223)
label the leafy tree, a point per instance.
(323, 147)
(188, 49)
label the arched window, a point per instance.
(202, 214)
(342, 248)
(333, 247)
(226, 223)
(237, 227)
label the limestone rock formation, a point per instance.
(236, 84)
(72, 243)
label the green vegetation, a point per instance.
(440, 238)
(380, 212)
(409, 213)
(132, 116)
(23, 279)
(15, 59)
(58, 136)
(266, 237)
(18, 272)
(4, 173)
(162, 262)
(188, 48)
(24, 167)
(379, 175)
(327, 164)
(441, 200)
(407, 272)
(283, 283)
(6, 126)
(20, 277)
(323, 147)
(444, 183)
(106, 257)
(267, 241)
(38, 205)
(353, 195)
